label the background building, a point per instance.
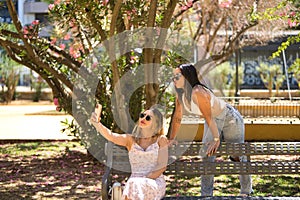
(28, 11)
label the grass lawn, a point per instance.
(64, 170)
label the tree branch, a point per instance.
(213, 37)
(148, 52)
(97, 25)
(167, 20)
(111, 49)
(183, 11)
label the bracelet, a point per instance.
(216, 139)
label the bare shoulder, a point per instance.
(199, 89)
(199, 93)
(129, 136)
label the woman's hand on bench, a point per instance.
(172, 142)
(212, 147)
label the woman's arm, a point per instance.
(119, 139)
(176, 121)
(202, 98)
(162, 160)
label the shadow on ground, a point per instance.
(66, 175)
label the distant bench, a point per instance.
(184, 160)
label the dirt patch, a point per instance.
(51, 174)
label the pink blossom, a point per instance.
(25, 30)
(94, 65)
(134, 11)
(282, 14)
(75, 50)
(183, 8)
(56, 2)
(188, 5)
(105, 2)
(71, 50)
(115, 176)
(292, 23)
(225, 3)
(293, 13)
(74, 53)
(55, 101)
(132, 60)
(62, 46)
(53, 41)
(128, 12)
(71, 23)
(35, 22)
(51, 6)
(67, 37)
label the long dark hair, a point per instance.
(190, 74)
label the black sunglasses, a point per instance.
(177, 77)
(148, 117)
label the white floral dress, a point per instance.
(142, 162)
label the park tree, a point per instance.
(82, 28)
(9, 77)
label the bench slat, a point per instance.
(237, 149)
(204, 168)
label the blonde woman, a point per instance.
(148, 155)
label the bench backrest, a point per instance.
(184, 159)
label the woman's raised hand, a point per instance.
(96, 116)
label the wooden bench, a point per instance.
(184, 161)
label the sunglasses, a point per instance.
(177, 77)
(148, 117)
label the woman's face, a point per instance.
(178, 78)
(146, 119)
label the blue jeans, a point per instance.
(231, 128)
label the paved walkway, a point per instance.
(28, 120)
